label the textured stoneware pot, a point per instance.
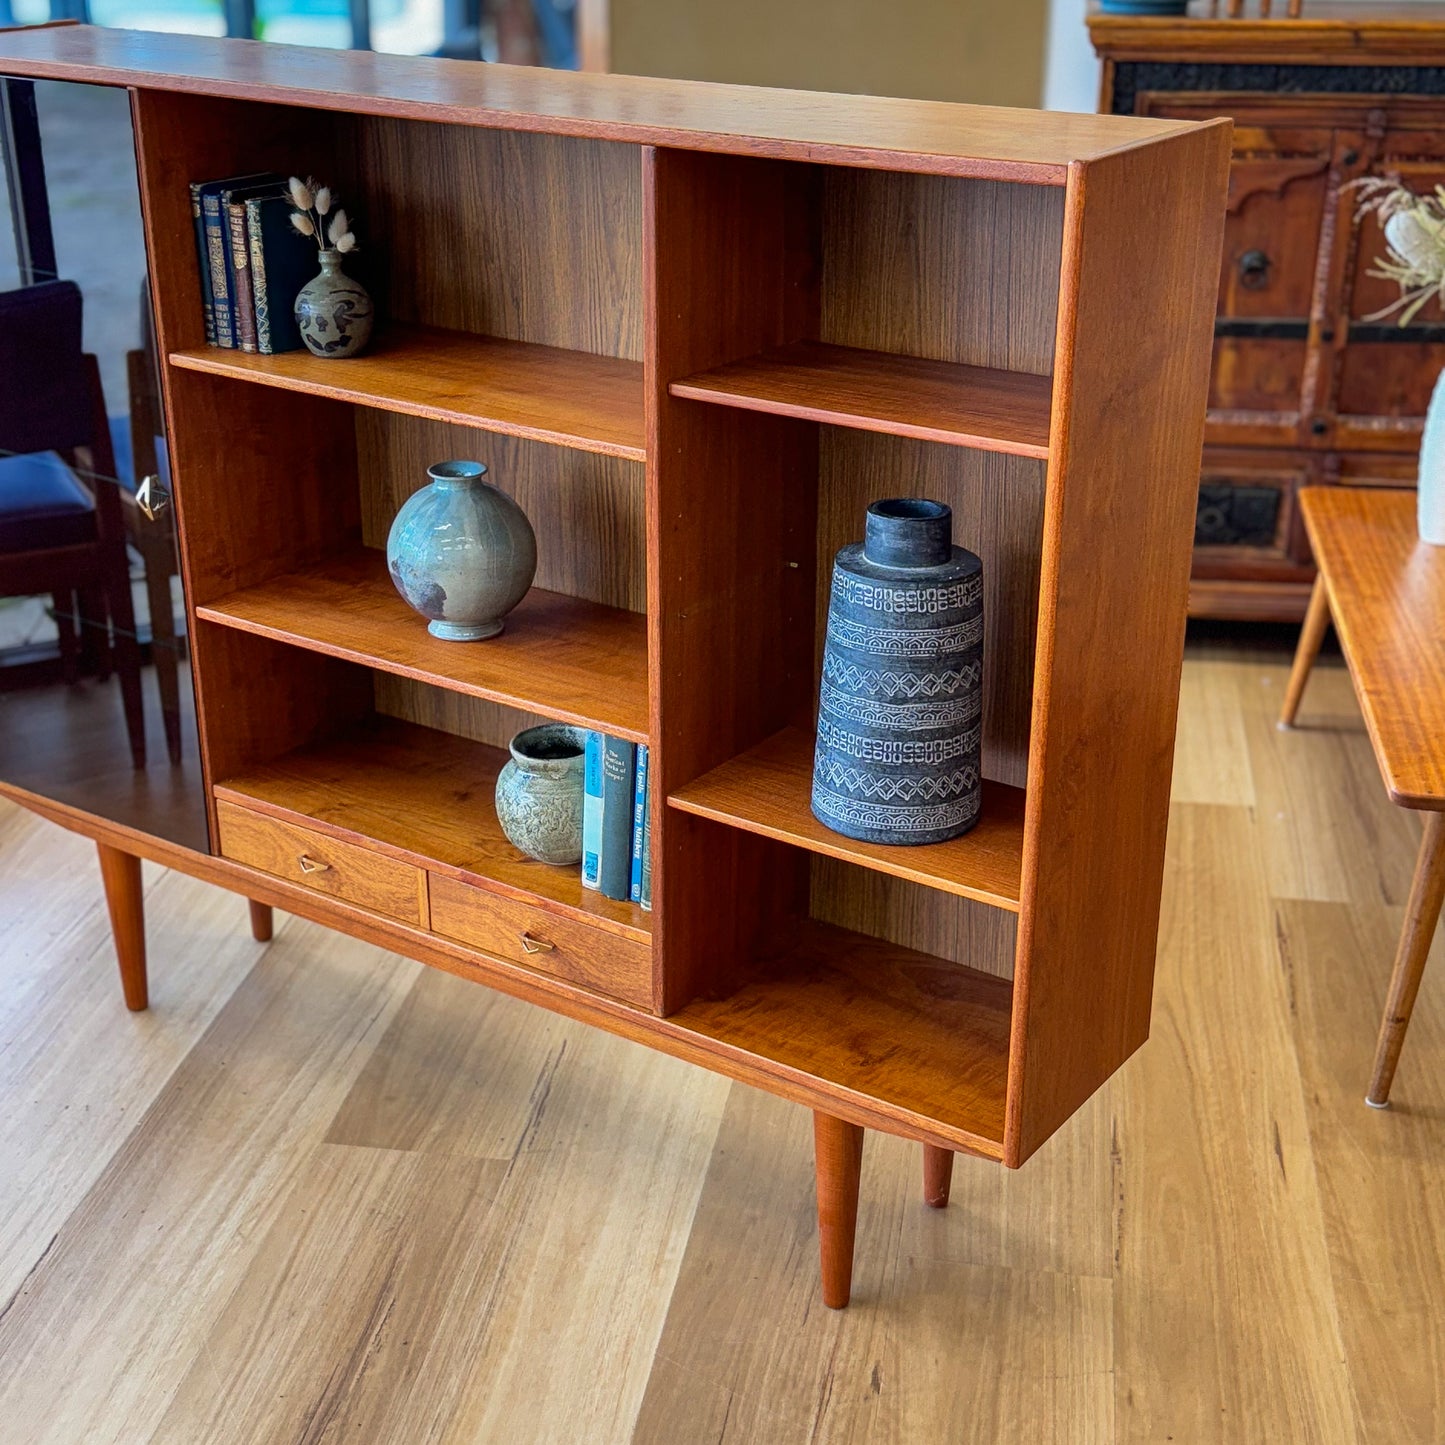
(461, 552)
(900, 706)
(333, 312)
(539, 793)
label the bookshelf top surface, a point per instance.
(967, 140)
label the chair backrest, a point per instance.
(46, 401)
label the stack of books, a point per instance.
(253, 262)
(617, 820)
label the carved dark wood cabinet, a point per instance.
(1306, 388)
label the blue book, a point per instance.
(592, 812)
(203, 262)
(647, 856)
(282, 262)
(619, 766)
(217, 229)
(639, 822)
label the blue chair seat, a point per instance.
(42, 505)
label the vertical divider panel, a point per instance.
(1142, 234)
(730, 248)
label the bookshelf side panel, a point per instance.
(1141, 252)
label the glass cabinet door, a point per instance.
(96, 705)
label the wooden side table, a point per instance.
(1385, 589)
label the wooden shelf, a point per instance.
(767, 789)
(424, 797)
(939, 401)
(902, 1029)
(559, 656)
(572, 398)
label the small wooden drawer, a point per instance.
(562, 947)
(340, 870)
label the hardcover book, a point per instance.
(203, 262)
(619, 762)
(238, 260)
(217, 271)
(592, 812)
(639, 822)
(282, 262)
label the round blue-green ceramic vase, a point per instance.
(900, 705)
(462, 553)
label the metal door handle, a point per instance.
(312, 865)
(152, 497)
(535, 945)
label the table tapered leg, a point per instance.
(937, 1175)
(120, 873)
(838, 1154)
(1421, 913)
(1317, 618)
(261, 921)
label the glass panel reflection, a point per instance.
(96, 707)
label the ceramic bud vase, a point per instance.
(1430, 498)
(900, 707)
(539, 793)
(462, 553)
(333, 312)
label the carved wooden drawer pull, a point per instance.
(536, 945)
(311, 865)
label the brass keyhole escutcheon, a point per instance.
(312, 865)
(536, 945)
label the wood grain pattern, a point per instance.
(424, 798)
(838, 1156)
(1387, 597)
(998, 512)
(1107, 675)
(548, 942)
(850, 130)
(766, 790)
(124, 900)
(1312, 634)
(588, 511)
(937, 1176)
(1001, 411)
(557, 656)
(568, 398)
(358, 875)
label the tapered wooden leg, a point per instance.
(1317, 618)
(937, 1175)
(1421, 914)
(260, 921)
(120, 872)
(838, 1153)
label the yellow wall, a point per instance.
(988, 51)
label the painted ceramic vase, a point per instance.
(333, 312)
(900, 707)
(539, 793)
(1430, 496)
(462, 553)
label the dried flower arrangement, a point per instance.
(1414, 228)
(313, 208)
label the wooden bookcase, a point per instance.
(694, 330)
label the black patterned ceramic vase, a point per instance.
(900, 707)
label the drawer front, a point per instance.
(340, 870)
(557, 946)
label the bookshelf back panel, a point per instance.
(998, 509)
(587, 510)
(529, 237)
(450, 712)
(914, 916)
(951, 270)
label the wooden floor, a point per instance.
(322, 1194)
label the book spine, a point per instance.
(216, 269)
(639, 822)
(241, 270)
(619, 761)
(260, 297)
(208, 310)
(647, 853)
(592, 812)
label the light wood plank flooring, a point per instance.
(320, 1193)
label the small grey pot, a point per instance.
(333, 312)
(539, 793)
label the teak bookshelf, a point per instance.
(695, 329)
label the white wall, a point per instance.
(1071, 71)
